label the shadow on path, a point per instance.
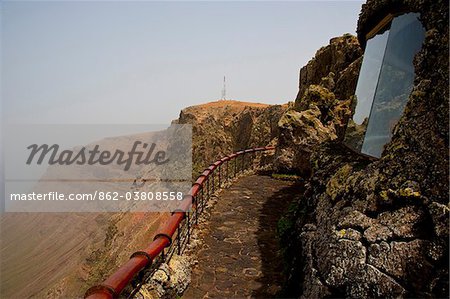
(239, 254)
(275, 207)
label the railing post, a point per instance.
(257, 159)
(207, 188)
(226, 171)
(220, 181)
(212, 182)
(197, 210)
(253, 160)
(178, 240)
(202, 196)
(188, 222)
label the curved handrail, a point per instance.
(116, 282)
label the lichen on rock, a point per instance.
(325, 88)
(381, 226)
(299, 133)
(169, 280)
(226, 126)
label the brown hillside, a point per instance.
(222, 127)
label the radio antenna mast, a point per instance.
(224, 90)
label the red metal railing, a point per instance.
(180, 222)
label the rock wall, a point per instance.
(222, 127)
(380, 228)
(319, 114)
(334, 58)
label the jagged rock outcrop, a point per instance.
(334, 58)
(299, 133)
(169, 280)
(222, 127)
(379, 228)
(327, 84)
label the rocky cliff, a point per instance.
(321, 108)
(379, 228)
(334, 58)
(222, 127)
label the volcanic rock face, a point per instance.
(334, 58)
(222, 127)
(321, 109)
(299, 133)
(379, 228)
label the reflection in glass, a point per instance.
(365, 89)
(383, 88)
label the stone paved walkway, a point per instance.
(239, 255)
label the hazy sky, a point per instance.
(142, 62)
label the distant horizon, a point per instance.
(143, 62)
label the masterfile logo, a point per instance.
(95, 156)
(96, 168)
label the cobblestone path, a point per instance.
(239, 255)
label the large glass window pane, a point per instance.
(365, 89)
(384, 84)
(395, 83)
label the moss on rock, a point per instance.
(399, 203)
